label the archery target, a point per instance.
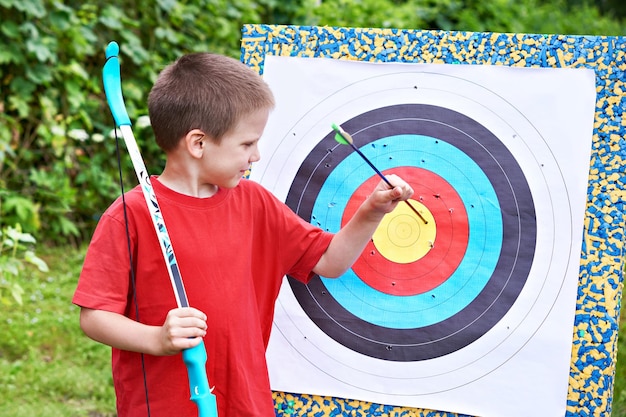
(447, 301)
(457, 291)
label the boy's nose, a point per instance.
(255, 156)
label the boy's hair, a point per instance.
(204, 91)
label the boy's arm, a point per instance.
(349, 242)
(183, 328)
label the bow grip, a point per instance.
(113, 85)
(195, 359)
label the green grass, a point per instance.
(49, 368)
(619, 388)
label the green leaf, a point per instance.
(75, 94)
(60, 20)
(134, 49)
(39, 73)
(67, 227)
(20, 105)
(24, 208)
(37, 47)
(166, 34)
(9, 243)
(34, 8)
(10, 54)
(167, 5)
(22, 86)
(30, 257)
(26, 238)
(75, 68)
(111, 17)
(10, 29)
(16, 292)
(29, 29)
(16, 235)
(48, 107)
(11, 266)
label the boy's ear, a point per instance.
(195, 142)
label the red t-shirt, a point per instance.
(233, 250)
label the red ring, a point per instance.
(450, 244)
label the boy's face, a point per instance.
(227, 162)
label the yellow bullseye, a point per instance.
(402, 237)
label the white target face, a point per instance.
(431, 307)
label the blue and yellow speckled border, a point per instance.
(594, 347)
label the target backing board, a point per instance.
(433, 313)
(469, 309)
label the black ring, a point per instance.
(514, 263)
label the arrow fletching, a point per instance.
(341, 135)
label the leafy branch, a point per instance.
(16, 254)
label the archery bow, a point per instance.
(195, 357)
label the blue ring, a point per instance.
(484, 219)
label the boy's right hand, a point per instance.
(183, 328)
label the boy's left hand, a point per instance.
(349, 242)
(384, 199)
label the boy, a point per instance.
(233, 241)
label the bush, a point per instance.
(58, 167)
(57, 160)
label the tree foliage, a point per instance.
(579, 17)
(58, 167)
(57, 158)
